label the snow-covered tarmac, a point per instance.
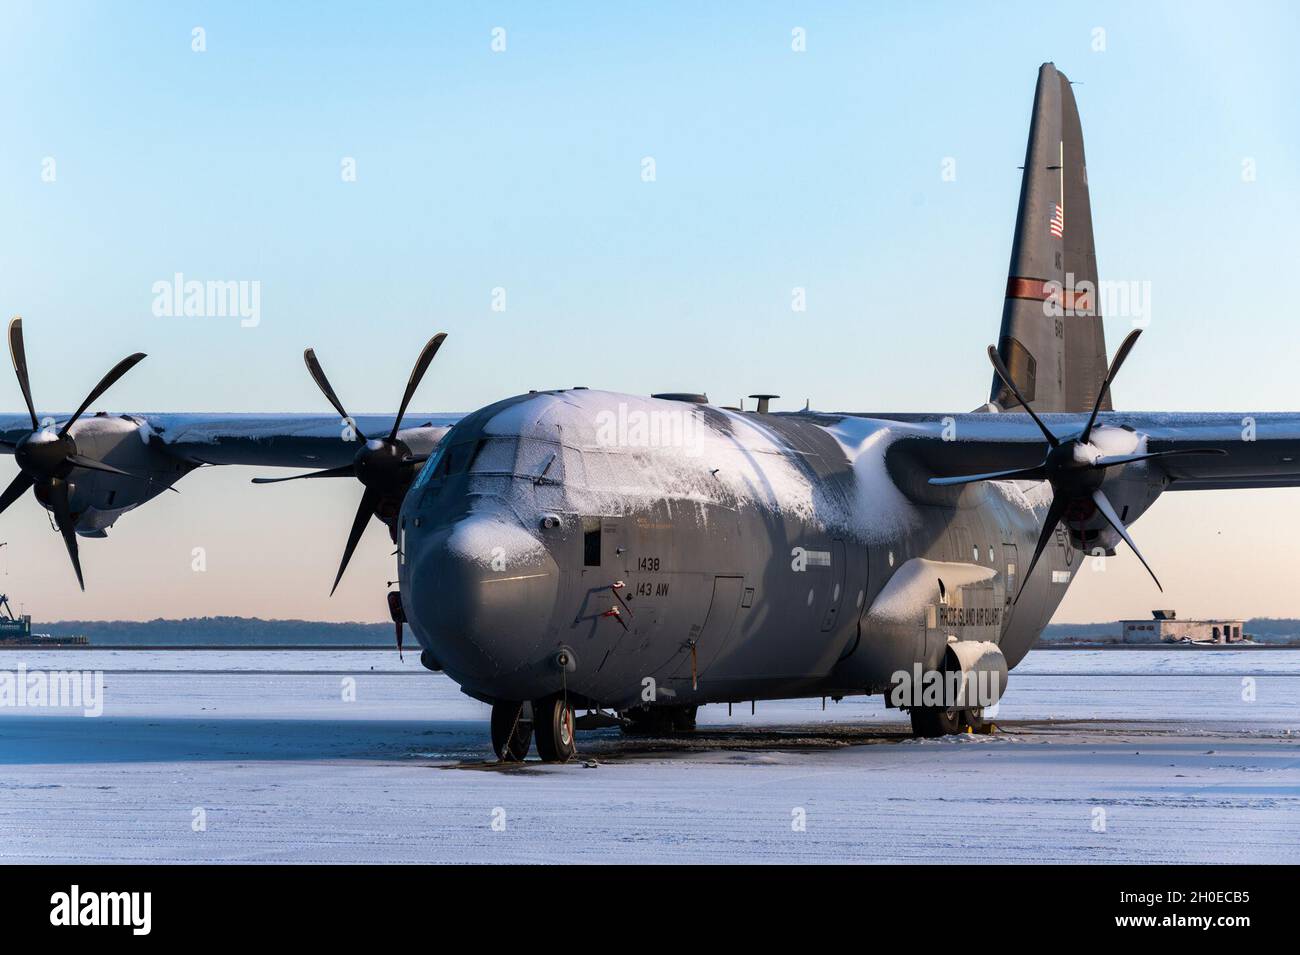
(1106, 756)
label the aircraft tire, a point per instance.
(553, 724)
(974, 718)
(512, 731)
(931, 721)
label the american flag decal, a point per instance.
(1057, 225)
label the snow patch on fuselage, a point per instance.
(915, 585)
(622, 453)
(881, 511)
(492, 543)
(619, 453)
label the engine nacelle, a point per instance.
(99, 498)
(1130, 488)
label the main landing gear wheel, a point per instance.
(932, 721)
(974, 718)
(553, 723)
(512, 731)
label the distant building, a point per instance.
(1165, 627)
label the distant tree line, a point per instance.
(221, 631)
(254, 631)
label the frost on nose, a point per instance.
(484, 597)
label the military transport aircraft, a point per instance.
(636, 557)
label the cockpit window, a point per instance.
(448, 459)
(495, 456)
(431, 465)
(458, 457)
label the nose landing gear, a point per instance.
(513, 726)
(553, 721)
(512, 731)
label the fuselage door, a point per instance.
(706, 642)
(1010, 574)
(1009, 580)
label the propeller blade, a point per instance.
(1036, 473)
(63, 518)
(114, 373)
(17, 487)
(1115, 459)
(1054, 513)
(90, 464)
(1005, 375)
(19, 355)
(1125, 347)
(421, 366)
(1112, 518)
(415, 458)
(346, 470)
(323, 383)
(364, 511)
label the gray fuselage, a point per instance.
(624, 549)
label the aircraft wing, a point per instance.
(260, 440)
(1261, 449)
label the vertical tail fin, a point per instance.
(1052, 339)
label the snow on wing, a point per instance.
(1262, 450)
(260, 440)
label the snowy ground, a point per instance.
(1158, 745)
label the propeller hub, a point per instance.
(1069, 469)
(380, 462)
(44, 454)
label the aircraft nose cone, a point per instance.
(481, 592)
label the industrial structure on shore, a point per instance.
(1165, 627)
(16, 631)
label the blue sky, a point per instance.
(522, 170)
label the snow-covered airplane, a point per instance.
(637, 557)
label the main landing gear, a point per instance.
(550, 719)
(932, 721)
(659, 720)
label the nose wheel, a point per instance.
(512, 731)
(553, 723)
